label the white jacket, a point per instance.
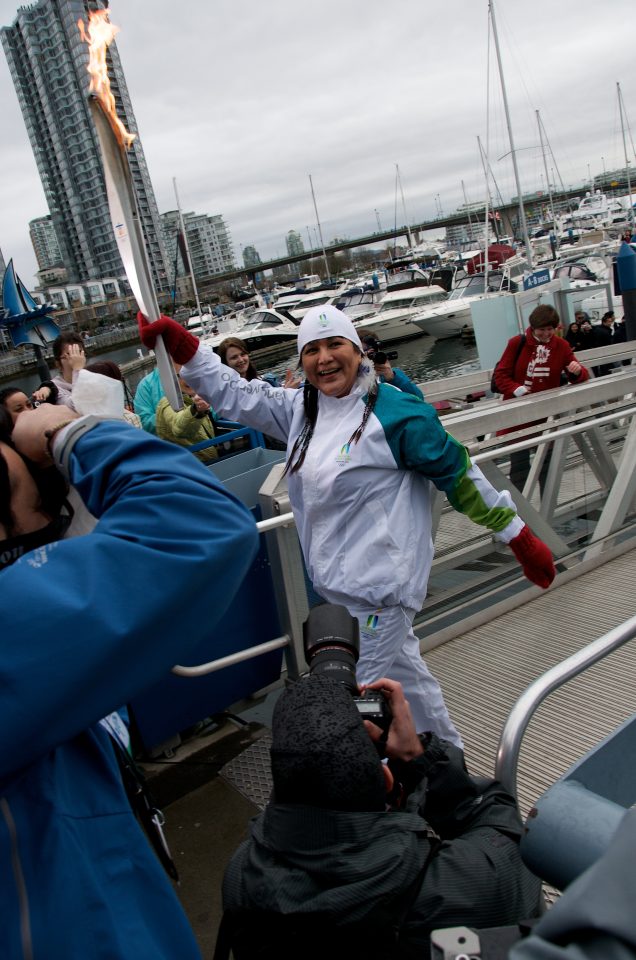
(363, 511)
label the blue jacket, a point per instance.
(87, 624)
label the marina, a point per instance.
(514, 587)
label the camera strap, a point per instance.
(139, 796)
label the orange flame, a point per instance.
(99, 35)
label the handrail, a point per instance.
(287, 519)
(213, 665)
(519, 717)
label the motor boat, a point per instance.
(359, 302)
(265, 328)
(392, 322)
(316, 298)
(406, 279)
(450, 319)
(584, 271)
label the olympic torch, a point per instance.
(115, 141)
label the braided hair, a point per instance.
(310, 403)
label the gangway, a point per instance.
(587, 518)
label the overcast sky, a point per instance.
(241, 102)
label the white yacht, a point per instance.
(316, 298)
(359, 302)
(393, 320)
(265, 328)
(448, 319)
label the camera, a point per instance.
(381, 357)
(331, 641)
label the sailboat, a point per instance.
(26, 320)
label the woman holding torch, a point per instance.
(362, 459)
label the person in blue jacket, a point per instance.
(88, 623)
(147, 395)
(384, 371)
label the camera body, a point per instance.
(331, 641)
(381, 357)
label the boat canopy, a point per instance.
(498, 253)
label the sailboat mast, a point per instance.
(629, 182)
(545, 167)
(187, 249)
(322, 242)
(406, 219)
(522, 212)
(487, 230)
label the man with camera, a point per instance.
(354, 850)
(385, 372)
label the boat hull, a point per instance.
(445, 322)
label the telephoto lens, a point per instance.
(331, 640)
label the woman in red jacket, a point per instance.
(543, 361)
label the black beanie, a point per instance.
(322, 756)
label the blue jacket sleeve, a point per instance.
(91, 621)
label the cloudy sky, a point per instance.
(241, 106)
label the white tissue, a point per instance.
(97, 394)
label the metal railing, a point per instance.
(587, 517)
(512, 734)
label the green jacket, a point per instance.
(185, 427)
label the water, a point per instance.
(421, 360)
(31, 381)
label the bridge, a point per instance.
(508, 213)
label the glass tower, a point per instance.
(47, 59)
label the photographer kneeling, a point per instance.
(384, 853)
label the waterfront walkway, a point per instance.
(482, 673)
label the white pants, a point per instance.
(389, 648)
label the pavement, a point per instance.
(203, 830)
(207, 817)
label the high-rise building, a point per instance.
(44, 240)
(3, 267)
(209, 243)
(251, 256)
(294, 243)
(48, 59)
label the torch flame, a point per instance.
(99, 35)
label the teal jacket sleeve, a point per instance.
(418, 441)
(406, 385)
(147, 396)
(91, 621)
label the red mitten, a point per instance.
(534, 556)
(180, 344)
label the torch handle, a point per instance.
(168, 377)
(122, 204)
